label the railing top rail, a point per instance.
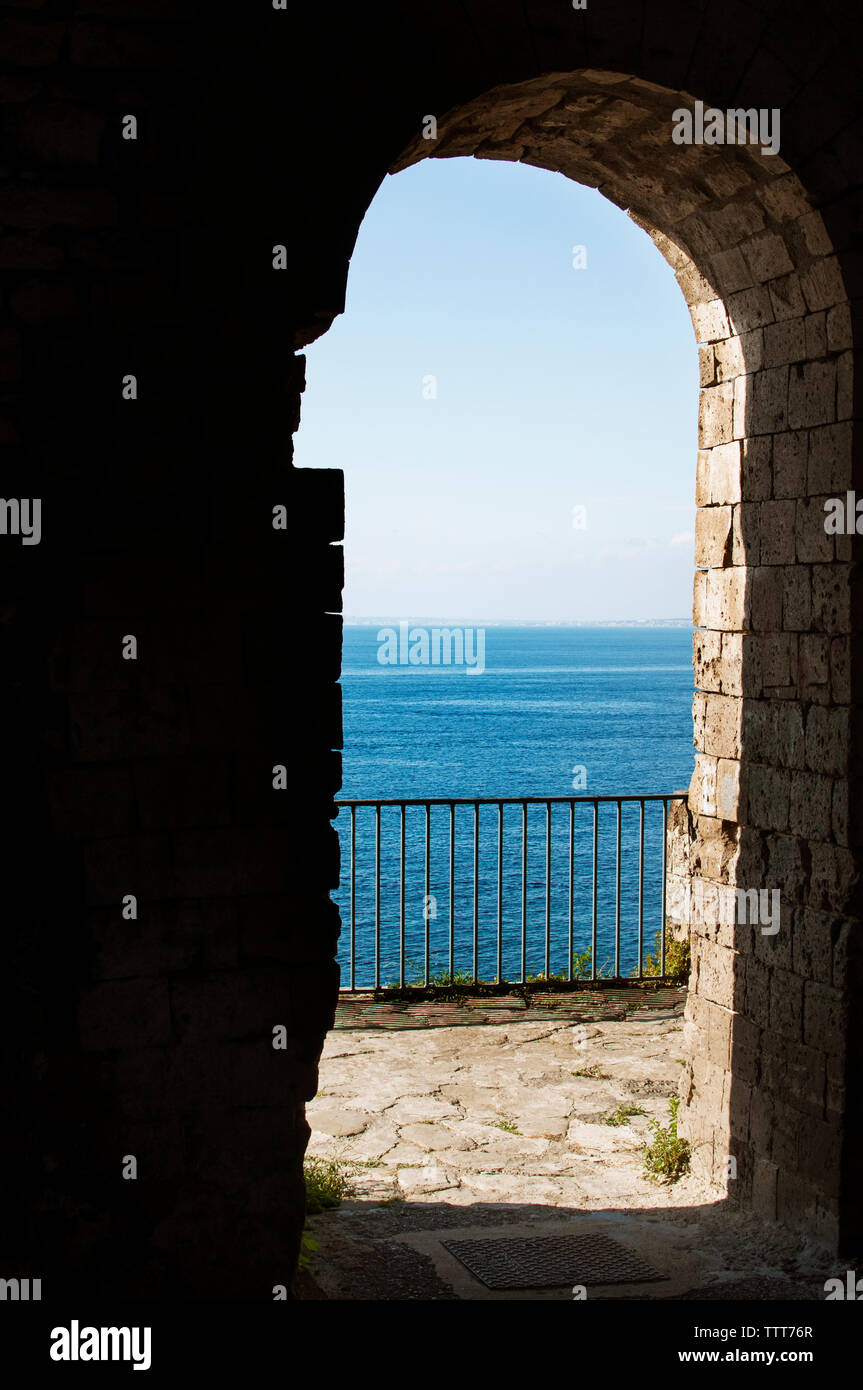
(505, 800)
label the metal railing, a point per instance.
(514, 895)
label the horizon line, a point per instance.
(353, 620)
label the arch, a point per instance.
(769, 797)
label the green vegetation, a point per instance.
(451, 985)
(581, 969)
(667, 1158)
(677, 960)
(327, 1182)
(508, 1125)
(595, 1073)
(455, 982)
(622, 1114)
(308, 1247)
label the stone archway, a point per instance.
(155, 258)
(769, 797)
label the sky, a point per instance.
(486, 379)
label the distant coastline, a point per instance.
(423, 620)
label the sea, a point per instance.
(506, 890)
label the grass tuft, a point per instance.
(667, 1158)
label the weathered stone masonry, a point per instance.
(154, 778)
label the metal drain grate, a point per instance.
(548, 1262)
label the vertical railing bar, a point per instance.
(499, 891)
(571, 883)
(524, 892)
(593, 946)
(641, 891)
(426, 912)
(353, 897)
(475, 892)
(451, 889)
(402, 898)
(377, 897)
(547, 889)
(662, 927)
(617, 898)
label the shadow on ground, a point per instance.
(395, 1250)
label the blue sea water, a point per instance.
(615, 702)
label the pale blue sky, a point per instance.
(556, 388)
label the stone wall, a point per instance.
(145, 1029)
(152, 1036)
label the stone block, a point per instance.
(751, 308)
(725, 599)
(840, 667)
(811, 807)
(712, 536)
(31, 43)
(786, 299)
(829, 462)
(722, 727)
(790, 453)
(827, 734)
(706, 657)
(702, 786)
(839, 331)
(768, 792)
(811, 394)
(729, 359)
(706, 361)
(813, 544)
(728, 797)
(812, 943)
(766, 604)
(735, 674)
(767, 257)
(716, 975)
(777, 532)
(824, 1016)
(756, 472)
(91, 802)
(731, 270)
(786, 1005)
(784, 342)
(796, 598)
(845, 386)
(710, 321)
(125, 1013)
(831, 599)
(822, 284)
(715, 416)
(764, 1188)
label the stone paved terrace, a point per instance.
(489, 1116)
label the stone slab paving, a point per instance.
(514, 1111)
(500, 1128)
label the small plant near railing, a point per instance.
(581, 965)
(327, 1183)
(622, 1114)
(667, 1158)
(677, 960)
(581, 970)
